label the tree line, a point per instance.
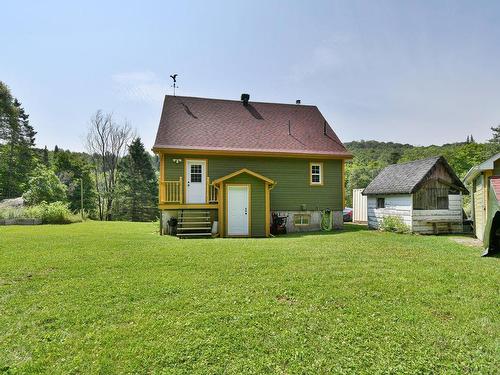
(114, 180)
(370, 157)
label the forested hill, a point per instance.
(370, 157)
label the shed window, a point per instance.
(316, 173)
(380, 202)
(442, 203)
(301, 219)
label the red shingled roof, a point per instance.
(495, 184)
(227, 125)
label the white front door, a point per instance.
(238, 210)
(196, 176)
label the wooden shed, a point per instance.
(485, 182)
(426, 194)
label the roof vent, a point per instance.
(245, 98)
(297, 101)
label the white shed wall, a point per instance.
(359, 206)
(419, 221)
(395, 205)
(422, 219)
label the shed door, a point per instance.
(195, 181)
(238, 206)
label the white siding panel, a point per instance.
(359, 206)
(395, 205)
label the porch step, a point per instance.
(187, 235)
(194, 224)
(193, 228)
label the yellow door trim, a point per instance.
(186, 177)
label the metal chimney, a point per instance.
(245, 98)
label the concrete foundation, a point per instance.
(314, 222)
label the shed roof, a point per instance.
(406, 178)
(189, 123)
(477, 169)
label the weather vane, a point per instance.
(174, 77)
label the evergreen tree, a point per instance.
(45, 157)
(472, 139)
(468, 140)
(496, 134)
(137, 185)
(17, 139)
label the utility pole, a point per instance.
(81, 197)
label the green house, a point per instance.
(227, 166)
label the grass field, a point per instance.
(117, 298)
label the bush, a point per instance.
(52, 213)
(394, 224)
(11, 213)
(49, 213)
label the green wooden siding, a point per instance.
(258, 202)
(291, 175)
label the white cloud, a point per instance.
(140, 86)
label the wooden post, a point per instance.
(162, 178)
(181, 190)
(343, 184)
(221, 209)
(207, 191)
(268, 209)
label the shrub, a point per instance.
(394, 224)
(12, 213)
(49, 213)
(52, 213)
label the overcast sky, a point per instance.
(421, 72)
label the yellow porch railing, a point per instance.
(212, 192)
(171, 191)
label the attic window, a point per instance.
(380, 202)
(316, 173)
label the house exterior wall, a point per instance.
(479, 205)
(292, 191)
(395, 205)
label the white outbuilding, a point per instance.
(426, 194)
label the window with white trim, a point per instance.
(316, 174)
(301, 219)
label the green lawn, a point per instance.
(117, 298)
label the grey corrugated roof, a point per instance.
(405, 178)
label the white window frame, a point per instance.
(311, 174)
